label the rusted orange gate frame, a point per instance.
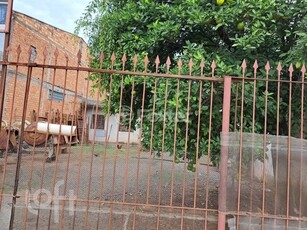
(176, 188)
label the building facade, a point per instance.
(44, 44)
(55, 90)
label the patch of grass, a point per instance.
(99, 149)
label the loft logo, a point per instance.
(44, 199)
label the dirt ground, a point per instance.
(115, 189)
(98, 188)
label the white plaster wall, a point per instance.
(110, 131)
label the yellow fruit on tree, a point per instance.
(298, 64)
(240, 26)
(218, 21)
(220, 2)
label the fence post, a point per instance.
(224, 155)
(20, 141)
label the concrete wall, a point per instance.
(123, 136)
(111, 135)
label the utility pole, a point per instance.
(7, 31)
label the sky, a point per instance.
(58, 13)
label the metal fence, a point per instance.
(137, 144)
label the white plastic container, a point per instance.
(55, 129)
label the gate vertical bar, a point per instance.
(7, 31)
(224, 154)
(20, 140)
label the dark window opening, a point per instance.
(99, 123)
(33, 54)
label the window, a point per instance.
(99, 123)
(33, 54)
(57, 96)
(3, 9)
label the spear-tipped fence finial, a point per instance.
(146, 62)
(213, 67)
(135, 62)
(255, 66)
(31, 57)
(191, 66)
(291, 69)
(101, 59)
(179, 64)
(124, 59)
(6, 53)
(157, 62)
(303, 70)
(45, 54)
(56, 53)
(202, 66)
(18, 52)
(113, 58)
(267, 69)
(243, 66)
(267, 66)
(79, 56)
(279, 68)
(168, 64)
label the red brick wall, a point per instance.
(27, 32)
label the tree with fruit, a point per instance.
(226, 31)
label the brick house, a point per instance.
(35, 36)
